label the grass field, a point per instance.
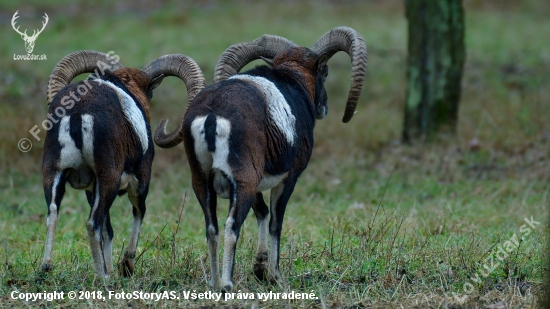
(372, 222)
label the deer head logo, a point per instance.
(29, 40)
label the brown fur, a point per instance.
(301, 62)
(137, 83)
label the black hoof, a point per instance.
(260, 269)
(227, 288)
(47, 267)
(260, 272)
(126, 269)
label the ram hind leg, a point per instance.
(262, 216)
(106, 235)
(107, 244)
(100, 240)
(54, 189)
(205, 193)
(241, 202)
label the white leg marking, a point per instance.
(107, 249)
(51, 223)
(70, 156)
(136, 227)
(94, 237)
(278, 107)
(134, 236)
(273, 256)
(274, 242)
(130, 183)
(213, 241)
(132, 112)
(228, 253)
(262, 235)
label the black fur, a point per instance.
(210, 132)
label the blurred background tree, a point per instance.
(434, 68)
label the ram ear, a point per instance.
(268, 61)
(322, 68)
(322, 61)
(155, 82)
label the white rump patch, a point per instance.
(278, 107)
(132, 113)
(201, 148)
(223, 128)
(71, 157)
(88, 139)
(217, 159)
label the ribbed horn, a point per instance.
(190, 73)
(235, 57)
(168, 140)
(180, 66)
(350, 41)
(76, 63)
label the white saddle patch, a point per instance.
(278, 107)
(132, 113)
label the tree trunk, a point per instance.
(435, 62)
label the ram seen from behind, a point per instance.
(252, 132)
(102, 143)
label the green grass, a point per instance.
(372, 222)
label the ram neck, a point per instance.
(305, 80)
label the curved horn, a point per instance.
(350, 41)
(76, 63)
(168, 140)
(235, 57)
(187, 70)
(180, 66)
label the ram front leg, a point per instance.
(127, 266)
(279, 199)
(206, 195)
(262, 216)
(104, 195)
